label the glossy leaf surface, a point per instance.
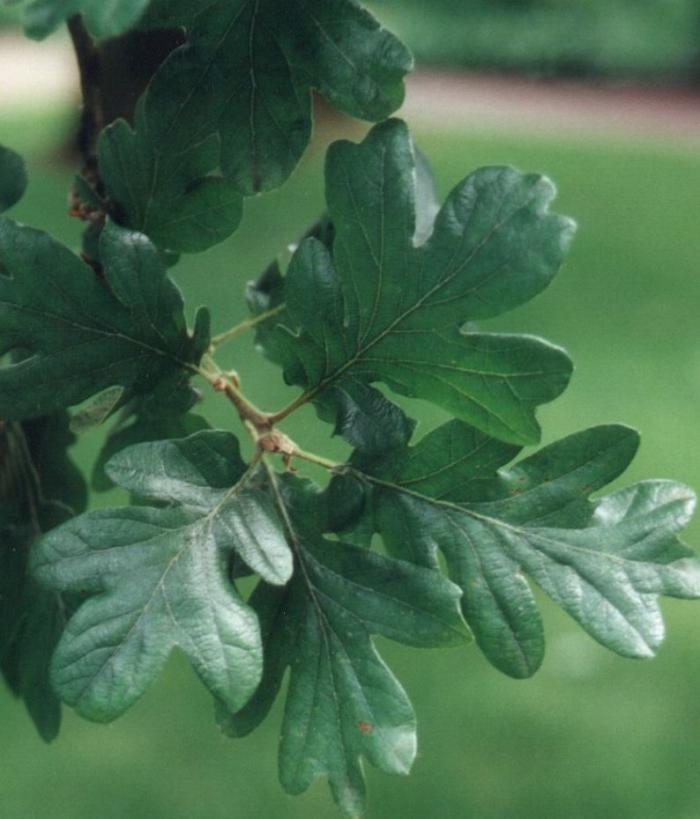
(605, 562)
(235, 102)
(381, 308)
(177, 199)
(247, 71)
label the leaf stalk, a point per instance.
(244, 326)
(261, 425)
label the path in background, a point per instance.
(479, 102)
(41, 73)
(36, 74)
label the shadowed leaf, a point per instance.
(80, 335)
(13, 178)
(343, 702)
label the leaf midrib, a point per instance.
(526, 534)
(522, 532)
(109, 334)
(364, 348)
(160, 585)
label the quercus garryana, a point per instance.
(380, 300)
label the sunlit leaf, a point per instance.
(605, 561)
(159, 576)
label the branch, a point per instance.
(304, 398)
(92, 119)
(226, 383)
(259, 424)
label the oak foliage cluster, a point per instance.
(432, 540)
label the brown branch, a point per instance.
(92, 118)
(89, 61)
(246, 411)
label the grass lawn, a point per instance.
(591, 735)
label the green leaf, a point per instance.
(13, 178)
(266, 293)
(206, 475)
(59, 483)
(172, 13)
(362, 415)
(367, 420)
(177, 199)
(381, 308)
(86, 195)
(141, 427)
(39, 487)
(605, 562)
(104, 19)
(81, 334)
(237, 99)
(159, 576)
(343, 702)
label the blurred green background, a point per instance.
(654, 40)
(591, 735)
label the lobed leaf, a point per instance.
(343, 702)
(143, 425)
(382, 308)
(177, 199)
(157, 577)
(236, 98)
(605, 562)
(79, 334)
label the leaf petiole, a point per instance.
(285, 412)
(244, 326)
(312, 458)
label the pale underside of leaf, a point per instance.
(160, 577)
(157, 584)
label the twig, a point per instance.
(224, 383)
(276, 417)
